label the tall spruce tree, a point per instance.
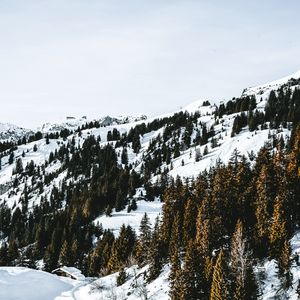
(192, 276)
(143, 244)
(219, 286)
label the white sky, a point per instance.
(88, 57)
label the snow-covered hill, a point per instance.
(26, 284)
(10, 132)
(262, 90)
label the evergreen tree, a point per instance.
(293, 172)
(278, 232)
(121, 277)
(4, 259)
(157, 253)
(244, 284)
(175, 276)
(19, 166)
(11, 158)
(190, 215)
(122, 249)
(144, 241)
(219, 286)
(124, 156)
(262, 211)
(284, 265)
(64, 256)
(192, 277)
(74, 252)
(13, 252)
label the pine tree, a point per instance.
(219, 290)
(203, 231)
(197, 155)
(175, 276)
(74, 252)
(50, 259)
(190, 215)
(203, 242)
(238, 261)
(143, 244)
(19, 166)
(176, 150)
(193, 281)
(244, 284)
(64, 256)
(176, 235)
(11, 158)
(262, 212)
(293, 171)
(278, 232)
(124, 156)
(13, 252)
(284, 265)
(121, 277)
(157, 253)
(4, 259)
(122, 248)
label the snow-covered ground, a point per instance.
(27, 284)
(133, 218)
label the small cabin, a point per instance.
(69, 272)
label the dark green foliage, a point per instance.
(121, 277)
(11, 158)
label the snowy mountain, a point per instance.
(40, 177)
(10, 132)
(72, 123)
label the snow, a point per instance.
(22, 284)
(117, 219)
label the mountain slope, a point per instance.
(76, 183)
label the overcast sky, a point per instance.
(72, 57)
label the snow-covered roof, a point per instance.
(72, 271)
